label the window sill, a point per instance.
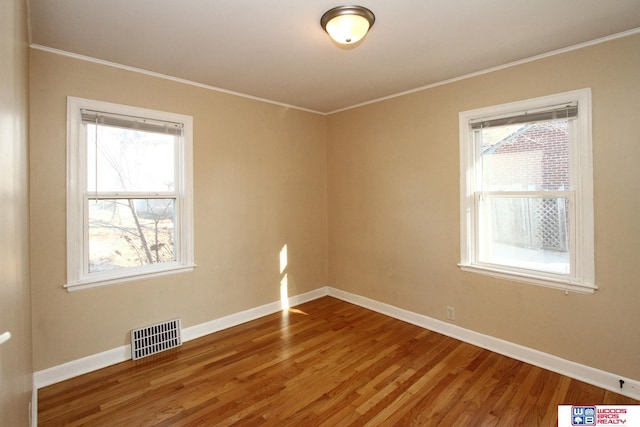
(564, 285)
(112, 279)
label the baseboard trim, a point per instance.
(81, 366)
(593, 376)
(235, 319)
(101, 360)
(597, 377)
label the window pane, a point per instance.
(530, 157)
(525, 232)
(130, 232)
(129, 160)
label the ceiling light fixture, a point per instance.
(347, 24)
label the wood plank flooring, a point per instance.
(323, 363)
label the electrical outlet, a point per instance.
(451, 313)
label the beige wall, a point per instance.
(393, 182)
(15, 306)
(387, 174)
(259, 183)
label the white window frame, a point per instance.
(581, 277)
(78, 276)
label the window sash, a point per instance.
(141, 221)
(177, 144)
(481, 233)
(78, 195)
(582, 277)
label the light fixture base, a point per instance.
(347, 24)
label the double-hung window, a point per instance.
(527, 191)
(129, 193)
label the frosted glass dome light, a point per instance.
(347, 24)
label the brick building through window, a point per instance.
(532, 157)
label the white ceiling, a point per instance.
(277, 51)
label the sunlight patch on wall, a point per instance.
(284, 291)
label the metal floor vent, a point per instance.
(155, 338)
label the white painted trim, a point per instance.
(81, 366)
(94, 362)
(165, 77)
(596, 377)
(118, 280)
(492, 69)
(235, 319)
(563, 285)
(362, 104)
(78, 276)
(582, 276)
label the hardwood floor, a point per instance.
(323, 363)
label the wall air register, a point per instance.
(155, 338)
